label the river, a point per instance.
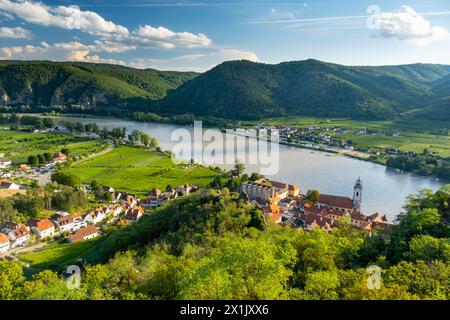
(384, 190)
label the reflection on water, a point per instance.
(384, 190)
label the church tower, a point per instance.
(357, 189)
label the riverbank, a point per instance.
(380, 157)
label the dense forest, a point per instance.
(423, 164)
(70, 85)
(237, 90)
(215, 245)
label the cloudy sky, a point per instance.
(199, 34)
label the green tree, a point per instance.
(48, 156)
(41, 159)
(428, 248)
(66, 151)
(239, 168)
(33, 160)
(66, 178)
(312, 195)
(153, 143)
(145, 139)
(11, 280)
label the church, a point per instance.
(344, 204)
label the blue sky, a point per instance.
(199, 34)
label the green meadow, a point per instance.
(57, 255)
(17, 145)
(139, 170)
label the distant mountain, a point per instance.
(247, 90)
(60, 83)
(234, 90)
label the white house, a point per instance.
(4, 243)
(117, 210)
(97, 216)
(18, 234)
(134, 214)
(131, 201)
(68, 222)
(43, 228)
(5, 163)
(85, 233)
(9, 185)
(5, 175)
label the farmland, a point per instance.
(414, 135)
(139, 170)
(18, 145)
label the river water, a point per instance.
(384, 190)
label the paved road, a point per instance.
(109, 149)
(23, 250)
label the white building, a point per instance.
(43, 228)
(266, 190)
(9, 185)
(18, 234)
(97, 216)
(5, 163)
(85, 233)
(68, 222)
(4, 243)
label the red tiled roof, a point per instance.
(21, 231)
(82, 233)
(44, 225)
(336, 201)
(355, 214)
(133, 214)
(40, 224)
(272, 209)
(59, 155)
(4, 238)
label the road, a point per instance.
(109, 149)
(26, 249)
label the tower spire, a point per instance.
(357, 193)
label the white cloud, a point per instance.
(66, 17)
(112, 35)
(408, 25)
(66, 51)
(195, 62)
(14, 33)
(167, 39)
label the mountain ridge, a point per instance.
(234, 89)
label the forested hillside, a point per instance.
(56, 84)
(233, 90)
(247, 90)
(216, 246)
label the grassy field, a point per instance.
(17, 145)
(415, 134)
(137, 170)
(57, 255)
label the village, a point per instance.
(335, 139)
(283, 204)
(123, 209)
(280, 202)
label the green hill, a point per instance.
(233, 90)
(38, 83)
(247, 90)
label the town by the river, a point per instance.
(384, 190)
